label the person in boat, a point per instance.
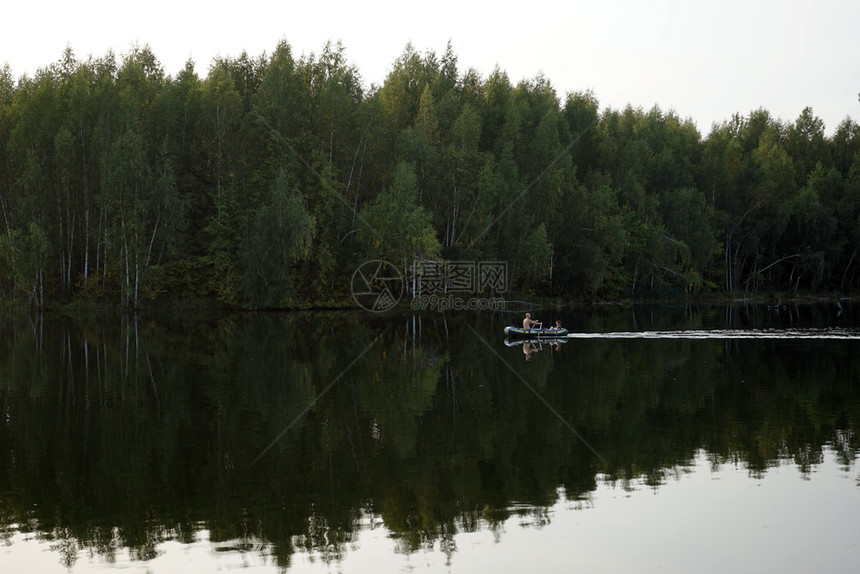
(528, 323)
(557, 326)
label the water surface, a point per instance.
(656, 439)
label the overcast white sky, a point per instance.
(704, 60)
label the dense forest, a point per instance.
(269, 181)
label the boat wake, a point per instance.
(829, 333)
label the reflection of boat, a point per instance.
(548, 340)
(542, 334)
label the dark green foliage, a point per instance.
(121, 184)
(280, 234)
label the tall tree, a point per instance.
(395, 227)
(280, 234)
(805, 143)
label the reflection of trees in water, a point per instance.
(122, 436)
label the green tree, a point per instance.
(813, 230)
(591, 242)
(581, 112)
(395, 228)
(807, 145)
(7, 120)
(689, 221)
(281, 234)
(31, 261)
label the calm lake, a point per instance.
(671, 439)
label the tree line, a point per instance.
(268, 182)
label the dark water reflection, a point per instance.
(286, 434)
